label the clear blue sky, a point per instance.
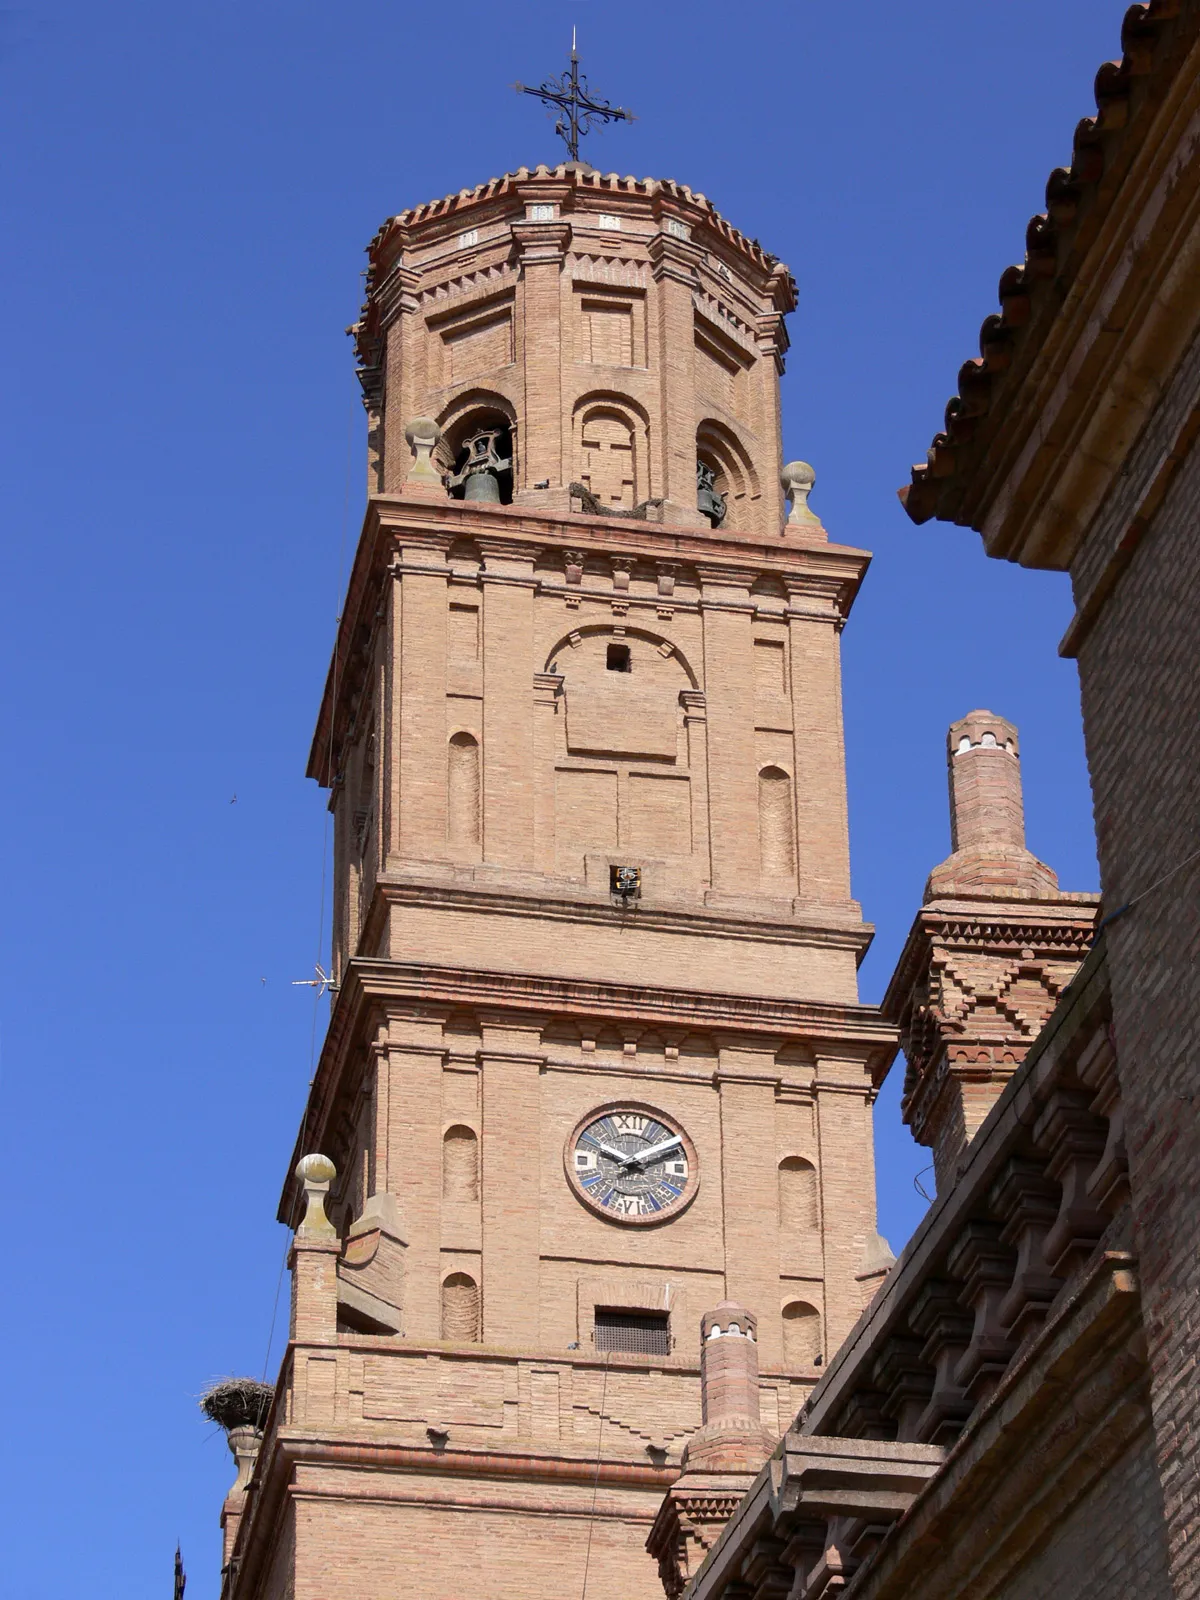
(187, 196)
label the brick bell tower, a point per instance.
(596, 1062)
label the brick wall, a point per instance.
(1113, 1534)
(379, 1543)
(1141, 702)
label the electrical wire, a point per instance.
(587, 1559)
(1157, 884)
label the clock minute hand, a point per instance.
(644, 1157)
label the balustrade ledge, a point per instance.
(1007, 1130)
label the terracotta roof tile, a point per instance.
(1153, 37)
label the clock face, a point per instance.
(630, 1163)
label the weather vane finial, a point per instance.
(580, 109)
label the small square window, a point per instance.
(618, 659)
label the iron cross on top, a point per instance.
(580, 110)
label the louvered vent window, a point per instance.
(644, 1332)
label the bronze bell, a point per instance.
(708, 500)
(479, 479)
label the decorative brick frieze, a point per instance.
(990, 953)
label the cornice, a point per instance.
(425, 237)
(991, 927)
(371, 988)
(829, 573)
(286, 1449)
(477, 896)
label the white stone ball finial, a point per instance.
(316, 1173)
(798, 479)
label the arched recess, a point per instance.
(734, 477)
(460, 1163)
(801, 1334)
(798, 1203)
(462, 791)
(467, 415)
(776, 830)
(460, 1308)
(611, 449)
(559, 657)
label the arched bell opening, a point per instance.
(477, 453)
(726, 483)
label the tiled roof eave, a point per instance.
(983, 427)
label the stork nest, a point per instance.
(237, 1403)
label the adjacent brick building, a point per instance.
(597, 1062)
(1016, 1413)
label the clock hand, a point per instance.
(645, 1157)
(615, 1155)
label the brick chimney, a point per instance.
(732, 1432)
(994, 945)
(987, 814)
(722, 1459)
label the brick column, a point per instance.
(508, 670)
(727, 615)
(822, 831)
(405, 379)
(547, 690)
(511, 1181)
(986, 803)
(772, 341)
(748, 1078)
(313, 1258)
(674, 441)
(414, 1165)
(842, 1097)
(542, 247)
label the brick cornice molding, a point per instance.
(393, 524)
(371, 987)
(541, 243)
(674, 259)
(286, 1450)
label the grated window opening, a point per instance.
(638, 1332)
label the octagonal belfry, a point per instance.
(617, 330)
(596, 1061)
